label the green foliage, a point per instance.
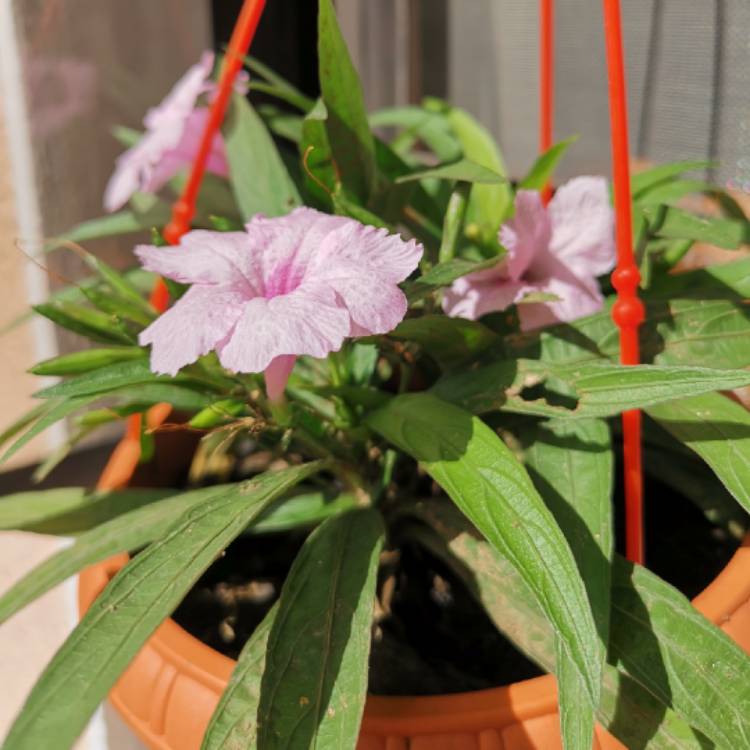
(133, 604)
(484, 479)
(260, 181)
(513, 427)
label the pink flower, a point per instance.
(558, 250)
(293, 285)
(173, 133)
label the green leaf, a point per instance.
(571, 466)
(259, 179)
(315, 153)
(351, 141)
(492, 489)
(714, 333)
(154, 213)
(672, 191)
(70, 510)
(544, 167)
(718, 430)
(147, 394)
(489, 205)
(291, 93)
(662, 641)
(430, 127)
(134, 528)
(449, 341)
(675, 223)
(315, 681)
(595, 389)
(307, 509)
(110, 378)
(218, 413)
(281, 123)
(512, 607)
(463, 170)
(87, 360)
(23, 422)
(444, 274)
(54, 412)
(132, 606)
(642, 182)
(727, 280)
(234, 723)
(92, 324)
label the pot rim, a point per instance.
(384, 715)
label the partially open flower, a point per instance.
(171, 140)
(287, 286)
(554, 253)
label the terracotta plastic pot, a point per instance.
(169, 691)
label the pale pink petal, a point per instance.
(125, 180)
(197, 322)
(583, 226)
(472, 298)
(277, 374)
(527, 233)
(180, 101)
(299, 323)
(388, 255)
(576, 300)
(205, 257)
(376, 306)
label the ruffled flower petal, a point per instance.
(199, 321)
(293, 324)
(525, 234)
(205, 257)
(583, 226)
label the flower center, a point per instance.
(284, 279)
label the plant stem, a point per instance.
(454, 221)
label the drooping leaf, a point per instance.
(315, 680)
(718, 430)
(130, 530)
(125, 614)
(463, 170)
(234, 723)
(512, 607)
(544, 167)
(594, 389)
(571, 466)
(493, 490)
(87, 360)
(70, 510)
(449, 341)
(349, 132)
(260, 181)
(659, 639)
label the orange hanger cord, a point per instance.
(546, 81)
(628, 311)
(183, 208)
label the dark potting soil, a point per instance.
(434, 638)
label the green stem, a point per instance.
(454, 221)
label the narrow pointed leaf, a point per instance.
(132, 606)
(234, 723)
(351, 140)
(315, 680)
(444, 274)
(718, 430)
(544, 167)
(260, 181)
(493, 490)
(463, 170)
(70, 510)
(87, 360)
